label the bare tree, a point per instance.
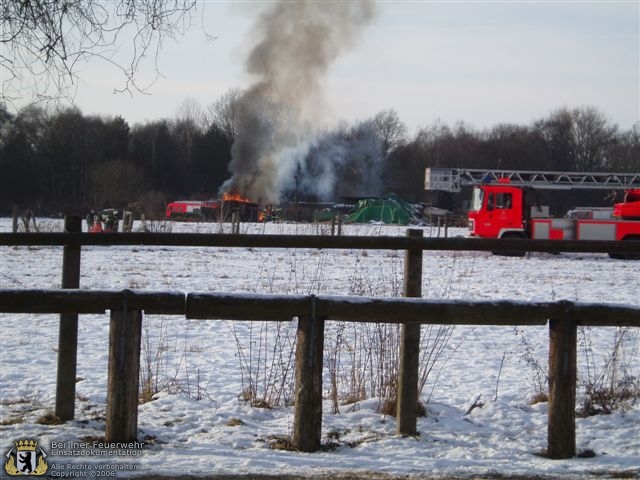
(190, 111)
(224, 113)
(579, 139)
(44, 41)
(627, 151)
(594, 138)
(390, 129)
(186, 129)
(188, 124)
(557, 133)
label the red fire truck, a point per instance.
(501, 206)
(213, 210)
(191, 209)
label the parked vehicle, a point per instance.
(504, 204)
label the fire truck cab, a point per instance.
(496, 211)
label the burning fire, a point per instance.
(235, 196)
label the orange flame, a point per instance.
(235, 195)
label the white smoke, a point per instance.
(356, 152)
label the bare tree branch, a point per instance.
(224, 113)
(42, 42)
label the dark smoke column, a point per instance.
(296, 42)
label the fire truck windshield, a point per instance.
(476, 199)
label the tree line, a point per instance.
(62, 161)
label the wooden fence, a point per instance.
(312, 311)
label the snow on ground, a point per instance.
(198, 424)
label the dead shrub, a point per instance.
(608, 384)
(389, 407)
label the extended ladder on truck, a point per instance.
(452, 179)
(500, 207)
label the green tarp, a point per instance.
(390, 209)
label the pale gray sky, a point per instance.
(481, 62)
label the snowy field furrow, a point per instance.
(199, 423)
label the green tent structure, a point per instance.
(390, 209)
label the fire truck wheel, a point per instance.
(510, 253)
(627, 256)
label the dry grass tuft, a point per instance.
(49, 418)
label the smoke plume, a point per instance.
(296, 43)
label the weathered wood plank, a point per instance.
(473, 312)
(125, 332)
(231, 306)
(89, 301)
(68, 329)
(407, 401)
(307, 421)
(605, 315)
(561, 429)
(247, 306)
(318, 242)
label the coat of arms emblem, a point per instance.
(27, 459)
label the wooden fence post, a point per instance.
(307, 422)
(14, 216)
(127, 221)
(336, 223)
(561, 429)
(235, 222)
(68, 332)
(407, 402)
(125, 332)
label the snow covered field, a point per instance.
(199, 423)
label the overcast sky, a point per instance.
(481, 62)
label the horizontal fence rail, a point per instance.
(318, 241)
(90, 301)
(126, 308)
(242, 306)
